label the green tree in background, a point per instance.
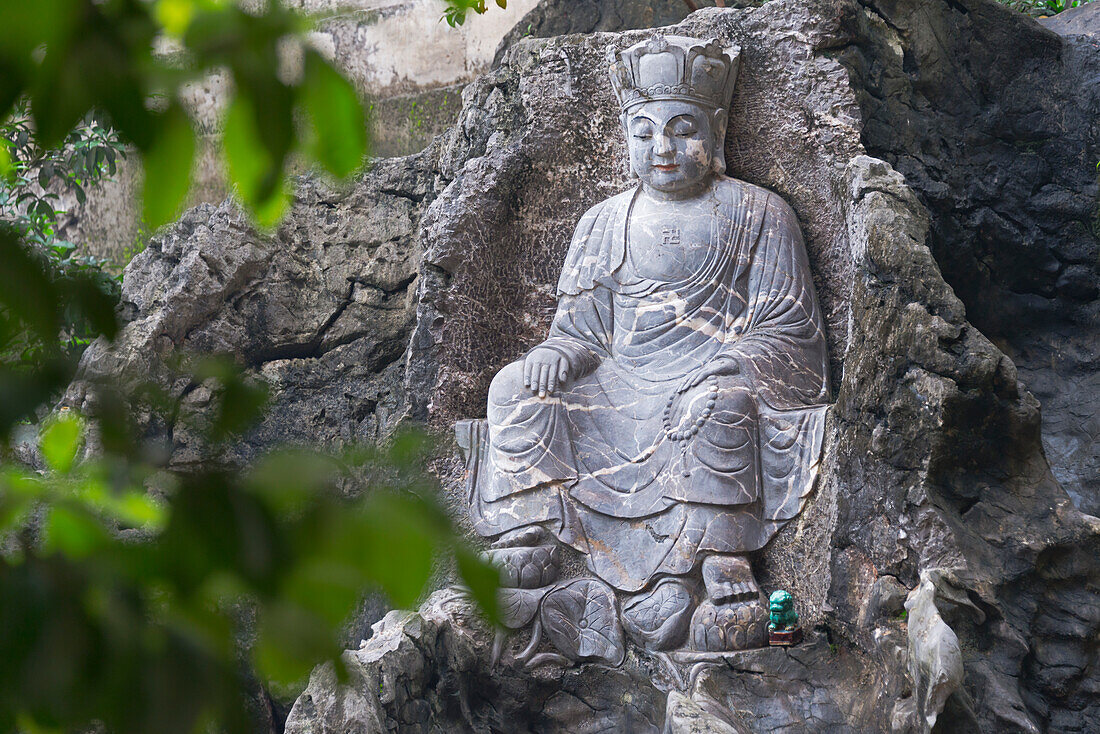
(125, 589)
(30, 201)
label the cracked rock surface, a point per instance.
(430, 672)
(936, 458)
(320, 310)
(941, 157)
(992, 119)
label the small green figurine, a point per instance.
(783, 628)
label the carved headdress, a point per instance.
(674, 68)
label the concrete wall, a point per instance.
(388, 47)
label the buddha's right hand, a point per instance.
(544, 370)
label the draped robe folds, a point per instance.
(596, 463)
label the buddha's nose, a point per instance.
(663, 146)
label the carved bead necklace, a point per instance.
(688, 433)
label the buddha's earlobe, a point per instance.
(630, 172)
(718, 130)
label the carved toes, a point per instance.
(729, 579)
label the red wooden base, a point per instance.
(785, 638)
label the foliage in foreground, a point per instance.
(141, 633)
(127, 588)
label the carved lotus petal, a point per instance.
(518, 606)
(580, 620)
(659, 620)
(527, 567)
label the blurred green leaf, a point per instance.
(138, 509)
(288, 643)
(175, 15)
(60, 441)
(30, 25)
(482, 579)
(253, 169)
(129, 507)
(291, 479)
(115, 423)
(18, 494)
(89, 294)
(399, 536)
(327, 586)
(240, 404)
(410, 449)
(28, 725)
(62, 94)
(23, 391)
(26, 290)
(5, 161)
(239, 400)
(215, 526)
(167, 164)
(336, 117)
(72, 532)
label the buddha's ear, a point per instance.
(718, 122)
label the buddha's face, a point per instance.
(673, 144)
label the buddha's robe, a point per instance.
(604, 464)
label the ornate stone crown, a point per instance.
(674, 67)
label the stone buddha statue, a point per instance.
(671, 422)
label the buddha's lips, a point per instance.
(667, 167)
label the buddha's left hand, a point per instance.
(720, 365)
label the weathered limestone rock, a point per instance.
(1082, 20)
(431, 671)
(320, 310)
(941, 159)
(562, 17)
(1002, 148)
(935, 661)
(687, 716)
(402, 124)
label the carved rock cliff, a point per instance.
(941, 157)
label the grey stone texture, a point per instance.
(1082, 20)
(1015, 219)
(562, 17)
(941, 159)
(320, 310)
(431, 671)
(404, 124)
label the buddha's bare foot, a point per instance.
(735, 614)
(526, 536)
